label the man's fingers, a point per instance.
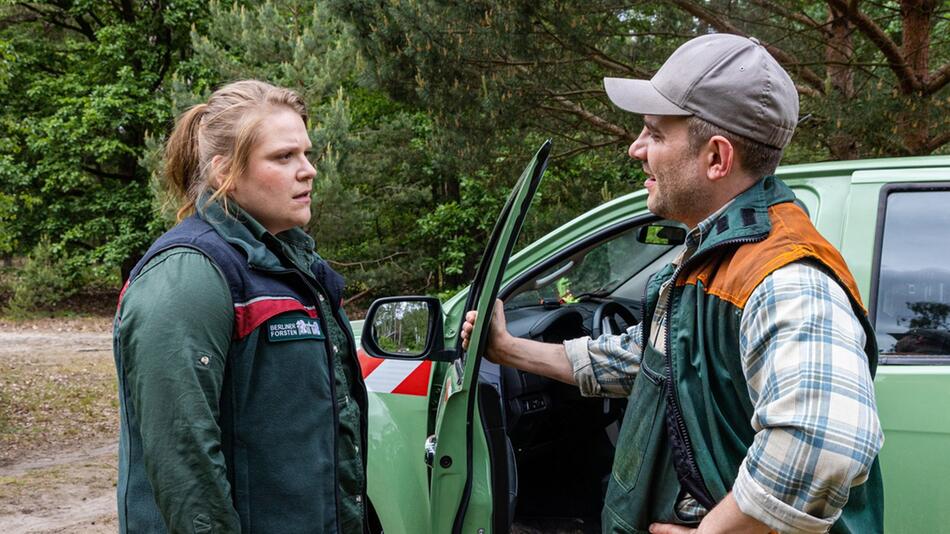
(666, 528)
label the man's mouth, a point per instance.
(650, 178)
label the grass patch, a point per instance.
(52, 405)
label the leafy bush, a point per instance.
(47, 278)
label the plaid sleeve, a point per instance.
(606, 366)
(817, 430)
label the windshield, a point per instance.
(595, 271)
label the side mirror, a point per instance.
(659, 234)
(405, 328)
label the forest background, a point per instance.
(422, 115)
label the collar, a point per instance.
(261, 247)
(745, 217)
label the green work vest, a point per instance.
(687, 423)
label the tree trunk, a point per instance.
(916, 17)
(839, 52)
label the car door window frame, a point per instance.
(886, 191)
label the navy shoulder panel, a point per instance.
(197, 234)
(331, 280)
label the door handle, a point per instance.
(430, 449)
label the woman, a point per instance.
(243, 407)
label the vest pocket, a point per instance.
(643, 485)
(645, 416)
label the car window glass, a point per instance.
(597, 270)
(913, 300)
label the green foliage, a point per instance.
(48, 277)
(81, 85)
(539, 66)
(423, 113)
(402, 327)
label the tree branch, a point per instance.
(590, 118)
(361, 264)
(586, 146)
(52, 18)
(357, 296)
(801, 18)
(806, 90)
(938, 142)
(104, 174)
(807, 75)
(905, 76)
(938, 79)
(595, 54)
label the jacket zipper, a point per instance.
(361, 389)
(672, 394)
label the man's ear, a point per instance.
(719, 158)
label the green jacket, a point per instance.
(242, 402)
(688, 426)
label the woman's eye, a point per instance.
(285, 156)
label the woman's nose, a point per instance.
(308, 172)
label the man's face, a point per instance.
(675, 178)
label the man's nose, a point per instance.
(638, 149)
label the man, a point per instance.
(751, 403)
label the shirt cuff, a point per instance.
(756, 501)
(578, 353)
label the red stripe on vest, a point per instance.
(247, 317)
(122, 294)
(368, 364)
(417, 383)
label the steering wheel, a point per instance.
(605, 318)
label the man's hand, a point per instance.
(545, 359)
(666, 528)
(497, 336)
(725, 517)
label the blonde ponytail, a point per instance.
(182, 158)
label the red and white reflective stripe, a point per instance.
(395, 376)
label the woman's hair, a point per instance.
(227, 126)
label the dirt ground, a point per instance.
(58, 426)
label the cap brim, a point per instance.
(639, 96)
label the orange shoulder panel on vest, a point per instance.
(735, 276)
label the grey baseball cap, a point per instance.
(727, 80)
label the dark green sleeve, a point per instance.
(175, 329)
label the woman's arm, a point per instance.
(175, 330)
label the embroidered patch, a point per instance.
(294, 328)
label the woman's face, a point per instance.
(276, 189)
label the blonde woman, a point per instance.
(242, 403)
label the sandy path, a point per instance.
(57, 427)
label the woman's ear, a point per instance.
(720, 157)
(219, 168)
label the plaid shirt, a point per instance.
(816, 424)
